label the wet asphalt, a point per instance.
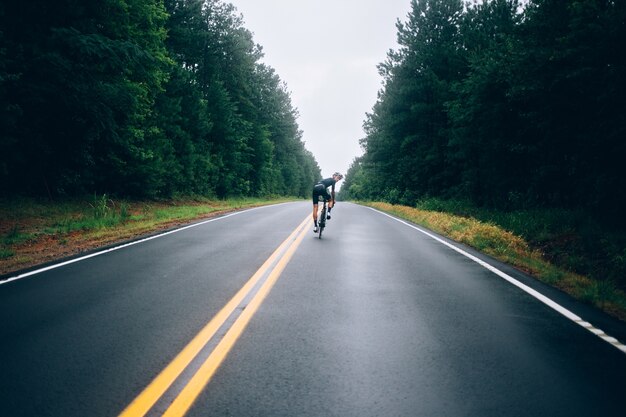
(374, 319)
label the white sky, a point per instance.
(327, 52)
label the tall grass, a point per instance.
(571, 239)
(101, 212)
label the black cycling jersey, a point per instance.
(328, 182)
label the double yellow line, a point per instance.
(192, 389)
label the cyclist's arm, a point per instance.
(332, 194)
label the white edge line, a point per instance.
(135, 242)
(550, 303)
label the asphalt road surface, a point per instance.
(252, 315)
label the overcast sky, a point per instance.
(327, 51)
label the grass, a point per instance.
(70, 226)
(572, 239)
(6, 253)
(527, 253)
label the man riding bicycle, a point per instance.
(321, 190)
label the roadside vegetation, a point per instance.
(146, 99)
(561, 248)
(34, 232)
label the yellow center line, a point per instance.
(199, 381)
(151, 394)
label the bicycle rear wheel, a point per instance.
(322, 221)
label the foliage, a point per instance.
(504, 104)
(142, 98)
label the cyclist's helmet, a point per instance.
(338, 174)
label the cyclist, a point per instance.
(321, 190)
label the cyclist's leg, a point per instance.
(315, 199)
(329, 199)
(318, 189)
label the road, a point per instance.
(375, 319)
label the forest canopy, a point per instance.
(142, 98)
(502, 103)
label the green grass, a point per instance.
(571, 239)
(6, 253)
(103, 212)
(11, 238)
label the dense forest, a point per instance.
(143, 99)
(503, 104)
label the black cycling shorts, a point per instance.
(320, 191)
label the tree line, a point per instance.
(142, 98)
(502, 103)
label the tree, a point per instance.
(143, 98)
(503, 105)
(406, 133)
(87, 78)
(573, 83)
(492, 159)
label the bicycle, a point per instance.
(321, 222)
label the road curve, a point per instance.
(374, 319)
